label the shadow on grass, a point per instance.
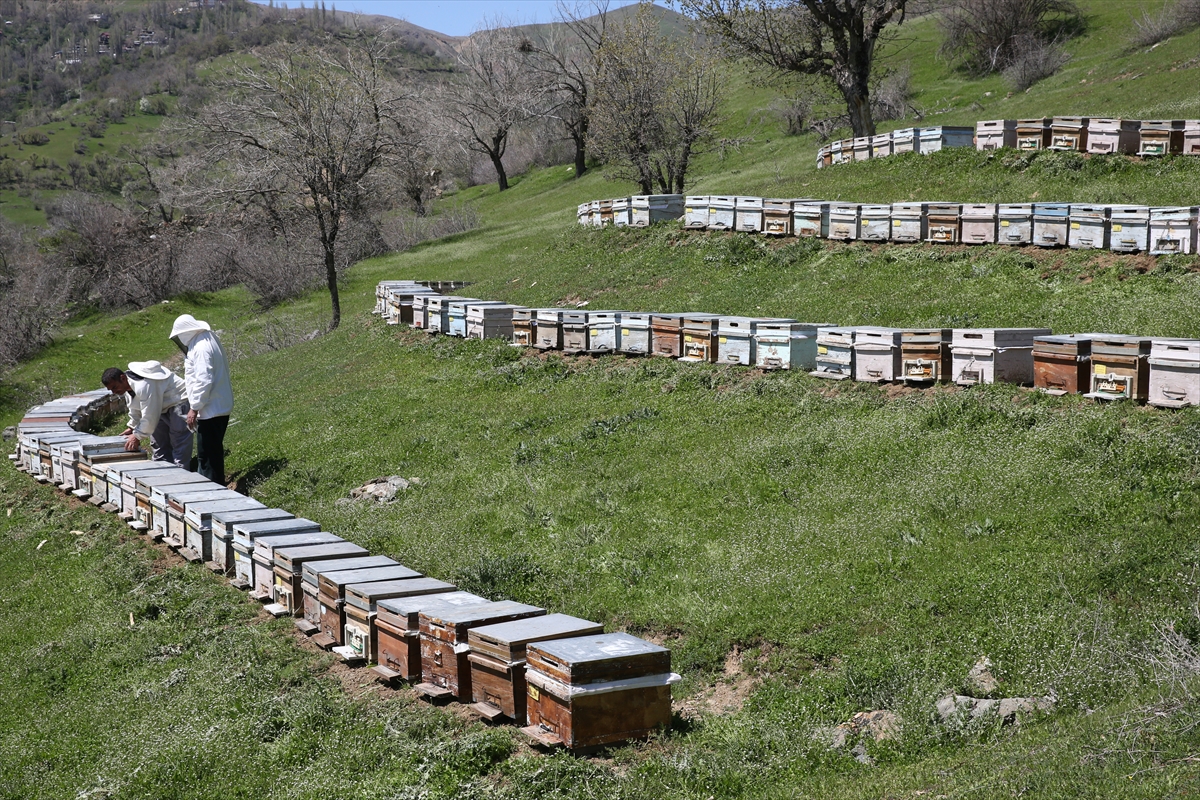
(256, 474)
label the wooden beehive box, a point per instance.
(180, 498)
(574, 331)
(908, 222)
(398, 631)
(666, 334)
(332, 597)
(445, 671)
(497, 660)
(152, 510)
(289, 561)
(620, 212)
(1069, 133)
(603, 332)
(606, 212)
(308, 615)
(490, 321)
(635, 334)
(1174, 373)
(1015, 223)
(777, 216)
(994, 355)
(925, 355)
(1088, 228)
(1129, 229)
(835, 353)
(1033, 134)
(840, 152)
(877, 354)
(1112, 135)
(197, 525)
(810, 219)
(941, 224)
(1160, 137)
(419, 306)
(116, 476)
(1120, 368)
(720, 212)
(843, 221)
(106, 481)
(992, 134)
(456, 315)
(748, 214)
(700, 337)
(97, 452)
(1172, 230)
(524, 327)
(592, 691)
(787, 344)
(649, 209)
(244, 535)
(359, 636)
(222, 533)
(881, 145)
(906, 140)
(254, 561)
(549, 329)
(695, 215)
(323, 609)
(594, 213)
(874, 222)
(1191, 137)
(941, 137)
(860, 146)
(978, 223)
(736, 343)
(1062, 363)
(582, 214)
(437, 312)
(1050, 221)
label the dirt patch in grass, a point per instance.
(737, 682)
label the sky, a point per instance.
(453, 17)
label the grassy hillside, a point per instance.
(807, 550)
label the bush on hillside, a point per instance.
(1035, 59)
(986, 36)
(35, 138)
(1172, 19)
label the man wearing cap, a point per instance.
(158, 409)
(206, 375)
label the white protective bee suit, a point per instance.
(209, 392)
(158, 409)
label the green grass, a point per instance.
(854, 547)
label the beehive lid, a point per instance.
(295, 556)
(508, 639)
(410, 607)
(230, 518)
(334, 582)
(266, 544)
(314, 569)
(603, 657)
(363, 595)
(258, 527)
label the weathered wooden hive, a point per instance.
(445, 670)
(591, 691)
(1174, 373)
(1088, 227)
(359, 638)
(942, 223)
(1160, 137)
(244, 534)
(1120, 368)
(876, 354)
(497, 660)
(994, 355)
(992, 134)
(398, 631)
(550, 328)
(787, 344)
(1033, 134)
(1062, 363)
(835, 353)
(925, 355)
(1050, 221)
(1069, 133)
(289, 563)
(222, 533)
(256, 559)
(666, 333)
(700, 337)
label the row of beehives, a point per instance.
(1082, 134)
(563, 678)
(1158, 230)
(1164, 372)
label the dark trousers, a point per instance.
(210, 448)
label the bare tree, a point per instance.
(306, 129)
(656, 103)
(491, 92)
(986, 36)
(565, 57)
(835, 39)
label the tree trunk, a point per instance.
(331, 279)
(580, 155)
(501, 175)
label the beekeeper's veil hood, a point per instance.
(185, 329)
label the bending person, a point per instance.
(206, 375)
(158, 409)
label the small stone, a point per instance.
(859, 751)
(880, 725)
(980, 679)
(833, 737)
(983, 707)
(10, 432)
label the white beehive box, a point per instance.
(1112, 136)
(843, 221)
(720, 212)
(875, 222)
(835, 354)
(941, 137)
(456, 315)
(810, 218)
(906, 140)
(635, 336)
(908, 222)
(1129, 229)
(993, 355)
(748, 214)
(736, 341)
(861, 147)
(941, 224)
(1088, 227)
(695, 214)
(549, 331)
(992, 134)
(1172, 230)
(648, 209)
(978, 223)
(841, 152)
(881, 145)
(876, 354)
(488, 321)
(1050, 224)
(1174, 373)
(785, 344)
(603, 331)
(621, 212)
(1191, 137)
(1014, 223)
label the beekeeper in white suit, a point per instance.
(206, 376)
(158, 409)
